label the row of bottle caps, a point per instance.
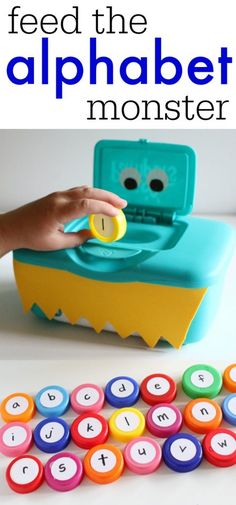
(105, 463)
(53, 434)
(197, 381)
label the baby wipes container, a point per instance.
(163, 279)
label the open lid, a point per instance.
(149, 175)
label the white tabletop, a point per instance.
(35, 353)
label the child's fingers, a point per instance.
(81, 208)
(70, 240)
(97, 194)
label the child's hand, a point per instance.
(40, 225)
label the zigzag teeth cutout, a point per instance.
(152, 310)
(96, 328)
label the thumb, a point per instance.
(75, 239)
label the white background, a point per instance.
(78, 355)
(187, 30)
(34, 163)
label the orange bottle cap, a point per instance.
(202, 415)
(17, 407)
(103, 463)
(229, 378)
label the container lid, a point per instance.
(159, 178)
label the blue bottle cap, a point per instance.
(182, 452)
(52, 401)
(52, 435)
(229, 409)
(122, 391)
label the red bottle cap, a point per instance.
(219, 447)
(25, 474)
(89, 430)
(158, 388)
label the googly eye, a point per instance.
(130, 178)
(157, 180)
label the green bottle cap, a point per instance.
(201, 381)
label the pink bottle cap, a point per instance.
(15, 439)
(64, 471)
(142, 455)
(87, 398)
(164, 420)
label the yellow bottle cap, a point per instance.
(126, 424)
(106, 228)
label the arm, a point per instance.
(39, 225)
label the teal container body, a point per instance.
(163, 244)
(205, 314)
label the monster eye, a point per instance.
(130, 178)
(157, 180)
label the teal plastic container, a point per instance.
(165, 254)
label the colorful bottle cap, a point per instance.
(106, 228)
(229, 409)
(25, 474)
(202, 381)
(182, 452)
(142, 455)
(17, 407)
(64, 471)
(89, 430)
(52, 401)
(15, 439)
(164, 420)
(104, 464)
(202, 415)
(87, 398)
(126, 423)
(158, 388)
(219, 447)
(229, 378)
(122, 392)
(52, 435)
